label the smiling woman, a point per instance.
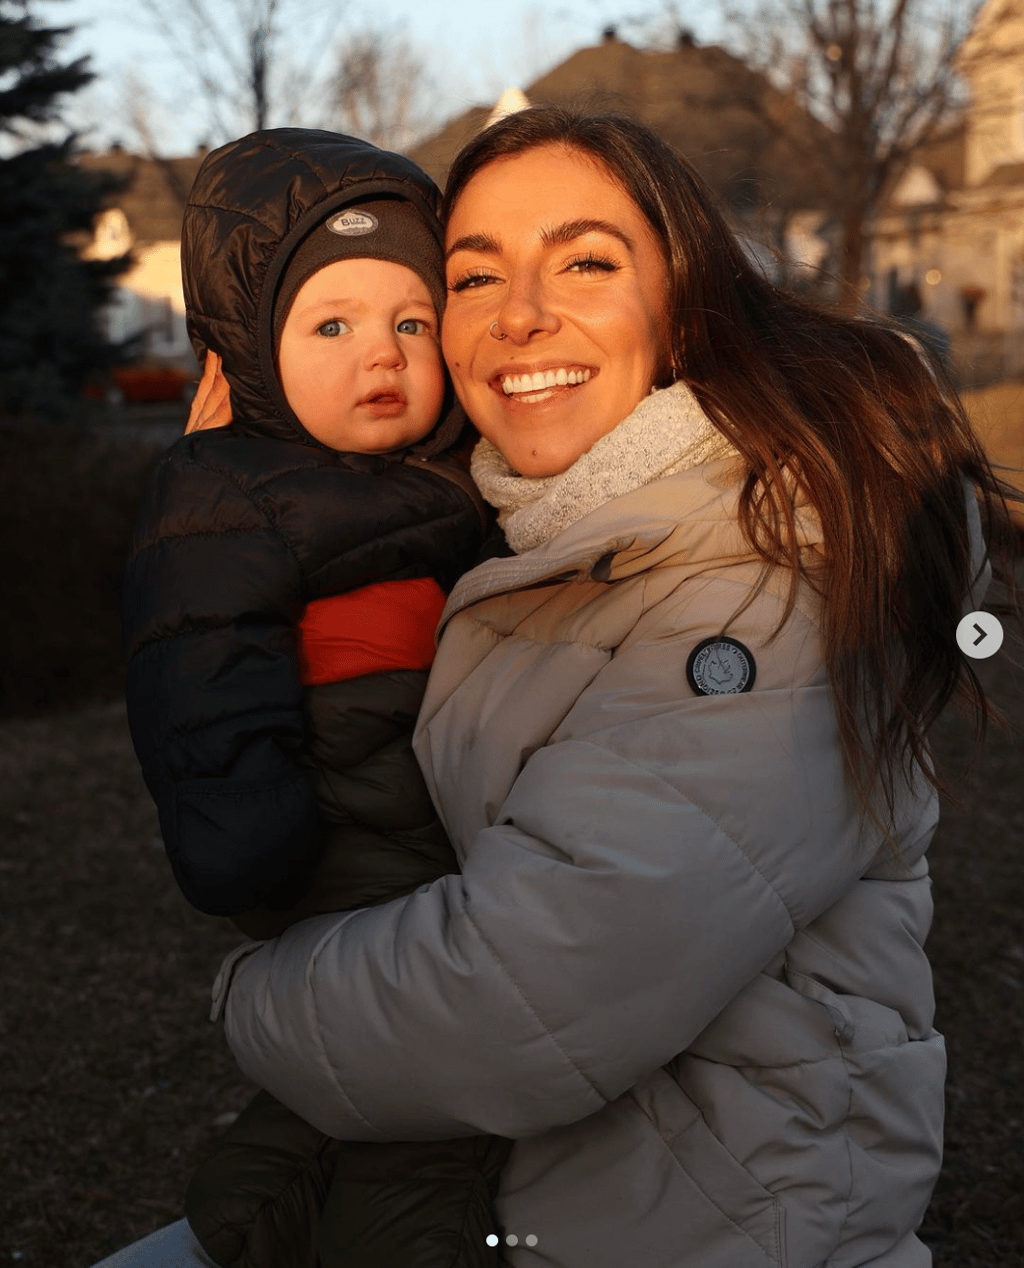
(576, 284)
(678, 738)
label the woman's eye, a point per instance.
(472, 281)
(412, 326)
(591, 264)
(331, 329)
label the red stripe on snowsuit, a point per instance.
(380, 627)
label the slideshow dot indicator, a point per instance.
(511, 1239)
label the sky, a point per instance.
(473, 50)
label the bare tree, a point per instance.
(141, 112)
(253, 64)
(227, 54)
(665, 27)
(381, 91)
(881, 75)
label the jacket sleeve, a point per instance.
(211, 595)
(650, 860)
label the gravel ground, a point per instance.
(113, 1080)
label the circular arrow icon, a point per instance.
(979, 635)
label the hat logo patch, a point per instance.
(352, 224)
(720, 667)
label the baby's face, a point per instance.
(360, 359)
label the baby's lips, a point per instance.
(384, 396)
(386, 403)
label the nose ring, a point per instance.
(494, 327)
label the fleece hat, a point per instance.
(382, 229)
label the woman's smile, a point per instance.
(571, 290)
(530, 387)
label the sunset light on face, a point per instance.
(575, 282)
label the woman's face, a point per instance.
(548, 245)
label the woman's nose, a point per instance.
(525, 310)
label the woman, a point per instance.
(678, 741)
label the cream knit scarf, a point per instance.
(667, 432)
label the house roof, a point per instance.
(945, 156)
(942, 158)
(988, 32)
(1006, 174)
(701, 99)
(154, 200)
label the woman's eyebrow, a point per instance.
(482, 242)
(573, 229)
(559, 235)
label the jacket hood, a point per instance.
(253, 202)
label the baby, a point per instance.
(286, 577)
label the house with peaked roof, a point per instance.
(709, 105)
(949, 237)
(145, 218)
(700, 98)
(951, 230)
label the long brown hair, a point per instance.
(840, 409)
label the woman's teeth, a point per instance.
(513, 384)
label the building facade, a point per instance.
(148, 308)
(951, 232)
(947, 245)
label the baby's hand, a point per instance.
(212, 404)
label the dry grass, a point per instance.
(998, 417)
(111, 1076)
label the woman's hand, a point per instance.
(211, 406)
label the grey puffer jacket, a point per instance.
(678, 968)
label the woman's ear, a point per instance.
(670, 364)
(671, 361)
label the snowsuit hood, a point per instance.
(253, 201)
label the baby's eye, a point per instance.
(412, 326)
(331, 329)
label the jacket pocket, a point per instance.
(734, 1204)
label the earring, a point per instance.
(494, 327)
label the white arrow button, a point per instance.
(979, 635)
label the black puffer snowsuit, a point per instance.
(275, 801)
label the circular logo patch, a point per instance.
(720, 667)
(351, 224)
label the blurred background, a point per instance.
(870, 152)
